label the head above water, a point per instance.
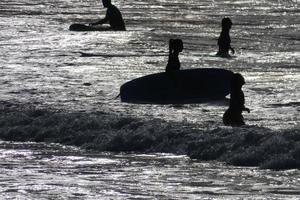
(226, 23)
(176, 45)
(106, 3)
(238, 80)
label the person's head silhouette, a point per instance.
(106, 3)
(238, 80)
(175, 45)
(226, 23)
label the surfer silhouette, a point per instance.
(224, 39)
(113, 16)
(175, 47)
(233, 115)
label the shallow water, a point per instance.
(42, 67)
(43, 171)
(41, 62)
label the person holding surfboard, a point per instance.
(113, 16)
(175, 47)
(224, 39)
(233, 115)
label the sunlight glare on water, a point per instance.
(42, 61)
(44, 65)
(55, 171)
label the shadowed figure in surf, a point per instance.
(233, 115)
(175, 47)
(113, 16)
(224, 39)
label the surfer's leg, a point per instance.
(227, 118)
(241, 120)
(238, 119)
(231, 118)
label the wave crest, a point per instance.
(244, 146)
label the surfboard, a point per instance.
(83, 27)
(185, 86)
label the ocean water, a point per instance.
(59, 86)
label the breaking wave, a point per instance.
(100, 131)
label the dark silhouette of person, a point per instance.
(175, 47)
(224, 39)
(113, 16)
(233, 115)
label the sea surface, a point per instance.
(59, 86)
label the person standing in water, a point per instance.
(224, 39)
(113, 16)
(175, 47)
(233, 115)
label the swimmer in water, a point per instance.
(175, 47)
(113, 16)
(224, 39)
(233, 115)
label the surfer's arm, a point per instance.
(246, 109)
(232, 50)
(102, 21)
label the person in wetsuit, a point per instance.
(175, 47)
(224, 39)
(113, 16)
(233, 115)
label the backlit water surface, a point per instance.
(42, 66)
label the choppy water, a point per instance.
(42, 68)
(43, 171)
